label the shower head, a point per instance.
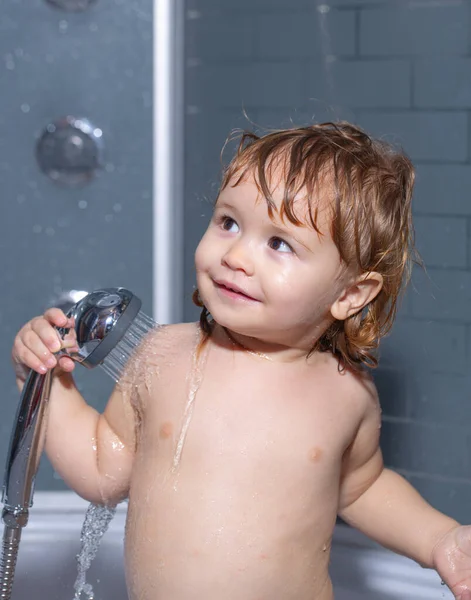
(102, 318)
(108, 326)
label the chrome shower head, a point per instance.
(101, 320)
(108, 326)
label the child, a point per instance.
(240, 440)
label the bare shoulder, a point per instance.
(357, 386)
(162, 348)
(171, 342)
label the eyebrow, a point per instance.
(223, 204)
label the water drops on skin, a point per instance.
(117, 445)
(195, 377)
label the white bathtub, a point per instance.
(360, 569)
(47, 567)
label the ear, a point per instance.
(355, 297)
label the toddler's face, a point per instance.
(267, 278)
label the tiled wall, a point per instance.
(398, 68)
(95, 64)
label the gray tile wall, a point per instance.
(400, 69)
(96, 64)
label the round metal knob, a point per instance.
(70, 150)
(71, 5)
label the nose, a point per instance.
(239, 257)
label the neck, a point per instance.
(266, 350)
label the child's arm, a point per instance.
(92, 452)
(382, 504)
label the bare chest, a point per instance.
(246, 426)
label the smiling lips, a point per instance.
(232, 290)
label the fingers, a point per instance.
(38, 341)
(58, 318)
(33, 354)
(66, 364)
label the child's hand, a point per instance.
(38, 340)
(452, 559)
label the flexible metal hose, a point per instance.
(9, 554)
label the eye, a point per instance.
(228, 224)
(279, 245)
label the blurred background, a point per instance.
(81, 197)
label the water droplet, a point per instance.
(37, 228)
(147, 99)
(191, 15)
(9, 62)
(193, 62)
(63, 26)
(82, 204)
(97, 521)
(117, 207)
(25, 107)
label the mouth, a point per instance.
(233, 291)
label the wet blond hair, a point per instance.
(369, 186)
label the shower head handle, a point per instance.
(101, 319)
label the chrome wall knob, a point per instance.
(70, 151)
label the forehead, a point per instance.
(297, 206)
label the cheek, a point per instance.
(201, 254)
(300, 288)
